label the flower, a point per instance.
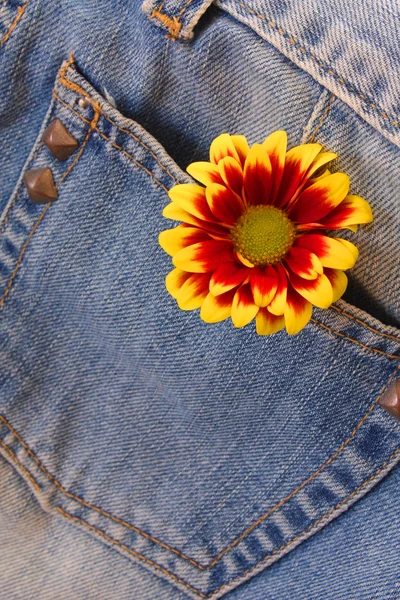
(254, 241)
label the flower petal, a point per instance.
(330, 251)
(257, 175)
(243, 307)
(221, 147)
(354, 210)
(193, 291)
(242, 147)
(317, 291)
(192, 198)
(204, 172)
(204, 256)
(304, 263)
(275, 145)
(320, 198)
(267, 324)
(232, 174)
(225, 205)
(297, 313)
(175, 280)
(264, 283)
(226, 277)
(215, 309)
(338, 281)
(173, 240)
(278, 303)
(297, 163)
(322, 159)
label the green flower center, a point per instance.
(263, 234)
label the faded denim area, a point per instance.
(200, 452)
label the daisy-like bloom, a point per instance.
(254, 242)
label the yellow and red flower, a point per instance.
(254, 241)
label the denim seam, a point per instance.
(43, 213)
(327, 68)
(247, 571)
(120, 129)
(346, 337)
(20, 465)
(20, 12)
(323, 117)
(342, 335)
(346, 314)
(281, 503)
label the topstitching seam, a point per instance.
(370, 101)
(248, 530)
(20, 12)
(383, 334)
(173, 24)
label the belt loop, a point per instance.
(178, 17)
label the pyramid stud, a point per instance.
(59, 141)
(390, 400)
(40, 185)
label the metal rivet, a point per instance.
(59, 141)
(40, 185)
(83, 103)
(390, 400)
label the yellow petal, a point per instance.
(317, 291)
(242, 147)
(297, 313)
(175, 280)
(244, 308)
(204, 172)
(338, 281)
(191, 198)
(322, 159)
(267, 324)
(221, 147)
(193, 292)
(217, 309)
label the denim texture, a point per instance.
(202, 453)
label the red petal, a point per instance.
(257, 176)
(232, 174)
(304, 263)
(204, 256)
(275, 145)
(244, 308)
(224, 204)
(297, 312)
(264, 283)
(278, 303)
(297, 163)
(319, 199)
(227, 277)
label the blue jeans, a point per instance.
(173, 459)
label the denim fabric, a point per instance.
(202, 453)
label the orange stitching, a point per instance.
(20, 12)
(317, 522)
(118, 127)
(248, 530)
(323, 117)
(91, 506)
(342, 335)
(302, 485)
(346, 314)
(21, 466)
(186, 6)
(172, 23)
(77, 157)
(39, 220)
(127, 549)
(338, 78)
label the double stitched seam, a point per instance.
(323, 117)
(345, 337)
(43, 213)
(20, 12)
(20, 465)
(116, 145)
(248, 530)
(374, 105)
(364, 324)
(225, 585)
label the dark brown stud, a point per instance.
(59, 141)
(40, 185)
(390, 400)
